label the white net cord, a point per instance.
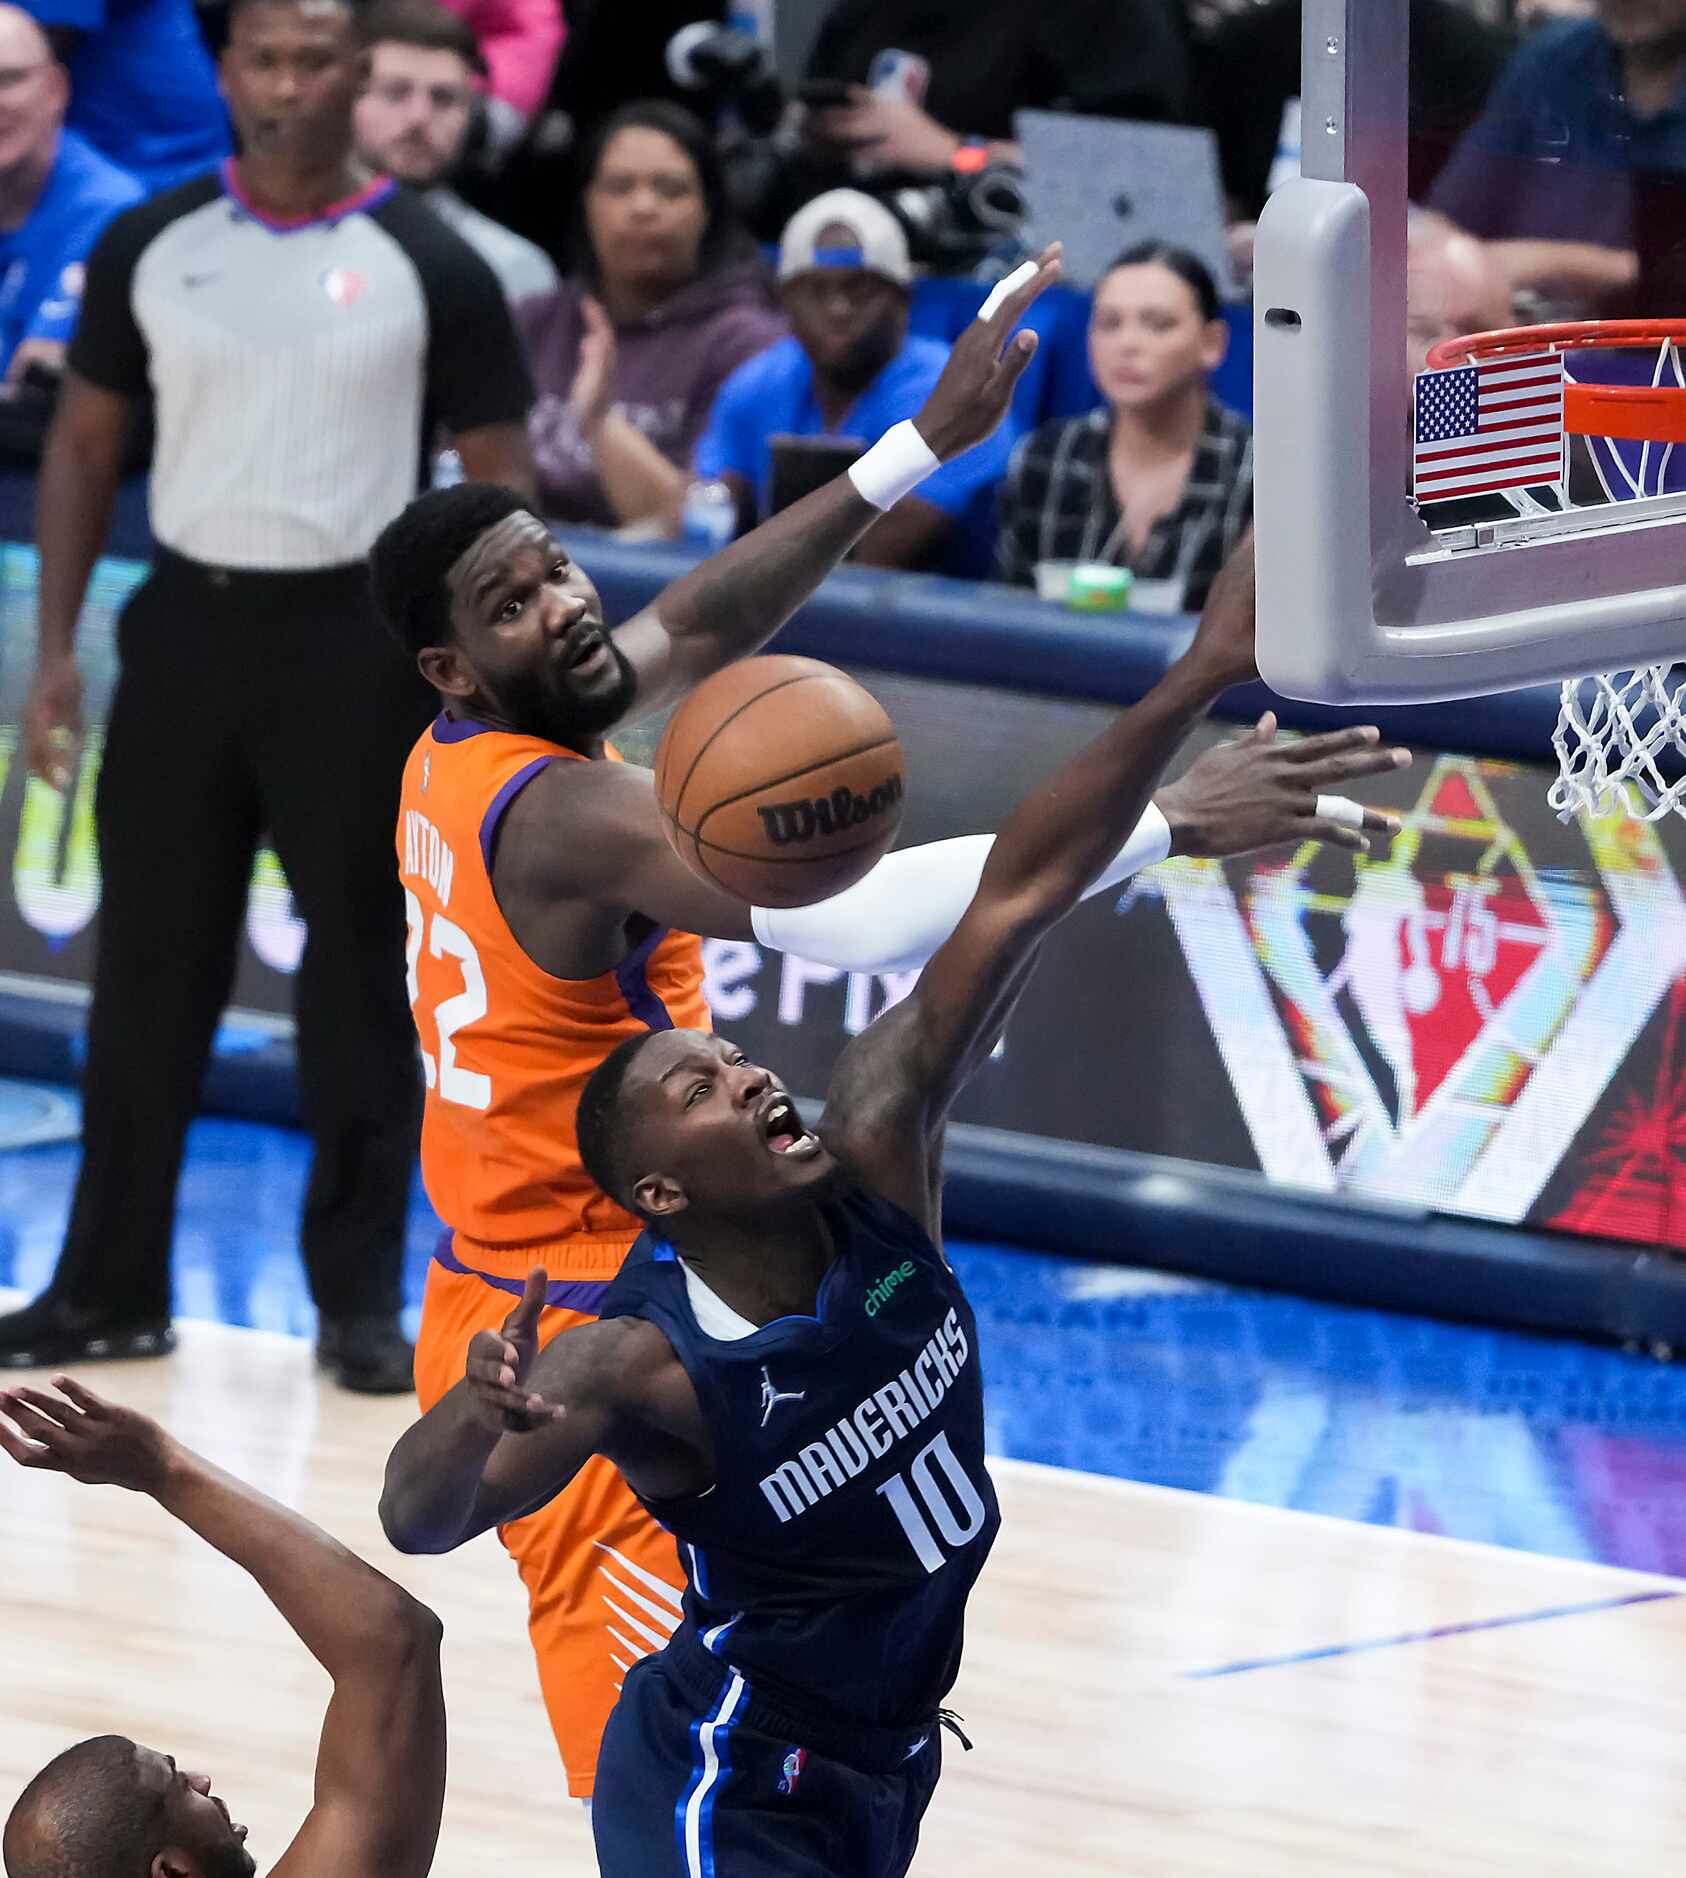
(1617, 729)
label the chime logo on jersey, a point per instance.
(885, 1289)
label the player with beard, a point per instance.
(786, 1369)
(109, 1808)
(549, 920)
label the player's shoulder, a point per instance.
(569, 819)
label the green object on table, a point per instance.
(1098, 587)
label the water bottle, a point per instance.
(709, 518)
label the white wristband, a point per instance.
(1340, 809)
(895, 465)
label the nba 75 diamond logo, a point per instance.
(1435, 1022)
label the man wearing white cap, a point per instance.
(850, 371)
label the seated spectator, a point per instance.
(412, 122)
(666, 299)
(849, 370)
(1453, 287)
(1159, 479)
(1548, 172)
(521, 41)
(143, 90)
(56, 196)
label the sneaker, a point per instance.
(369, 1355)
(49, 1334)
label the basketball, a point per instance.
(780, 780)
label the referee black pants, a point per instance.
(249, 704)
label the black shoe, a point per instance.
(49, 1333)
(370, 1355)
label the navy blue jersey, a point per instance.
(851, 1512)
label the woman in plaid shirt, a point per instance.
(1159, 479)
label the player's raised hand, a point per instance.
(976, 387)
(499, 1361)
(80, 1434)
(1260, 790)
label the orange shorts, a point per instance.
(603, 1579)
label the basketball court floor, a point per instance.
(1281, 1588)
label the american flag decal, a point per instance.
(1495, 424)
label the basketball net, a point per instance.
(1621, 744)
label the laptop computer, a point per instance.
(1101, 184)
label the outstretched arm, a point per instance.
(522, 1422)
(380, 1770)
(734, 602)
(894, 1085)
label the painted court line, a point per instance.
(1427, 1636)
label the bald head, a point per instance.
(34, 92)
(1453, 287)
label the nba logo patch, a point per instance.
(794, 1762)
(427, 772)
(344, 285)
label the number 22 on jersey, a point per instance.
(445, 939)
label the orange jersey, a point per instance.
(507, 1048)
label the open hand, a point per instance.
(499, 1362)
(592, 392)
(976, 387)
(80, 1434)
(1259, 790)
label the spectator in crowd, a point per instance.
(521, 41)
(1453, 287)
(1249, 70)
(143, 90)
(56, 195)
(297, 326)
(849, 370)
(665, 299)
(1587, 113)
(1159, 478)
(934, 88)
(413, 120)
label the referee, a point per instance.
(303, 327)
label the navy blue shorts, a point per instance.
(700, 1781)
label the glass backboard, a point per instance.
(1520, 515)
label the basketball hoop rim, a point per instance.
(1633, 413)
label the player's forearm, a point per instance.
(733, 603)
(433, 1477)
(343, 1611)
(1061, 837)
(74, 498)
(911, 902)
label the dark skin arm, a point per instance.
(498, 453)
(522, 1422)
(81, 469)
(380, 1767)
(893, 1086)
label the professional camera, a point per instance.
(954, 224)
(730, 70)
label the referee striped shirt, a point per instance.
(298, 369)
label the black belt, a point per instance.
(865, 1746)
(296, 580)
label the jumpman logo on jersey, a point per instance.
(771, 1397)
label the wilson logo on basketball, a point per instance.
(787, 822)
